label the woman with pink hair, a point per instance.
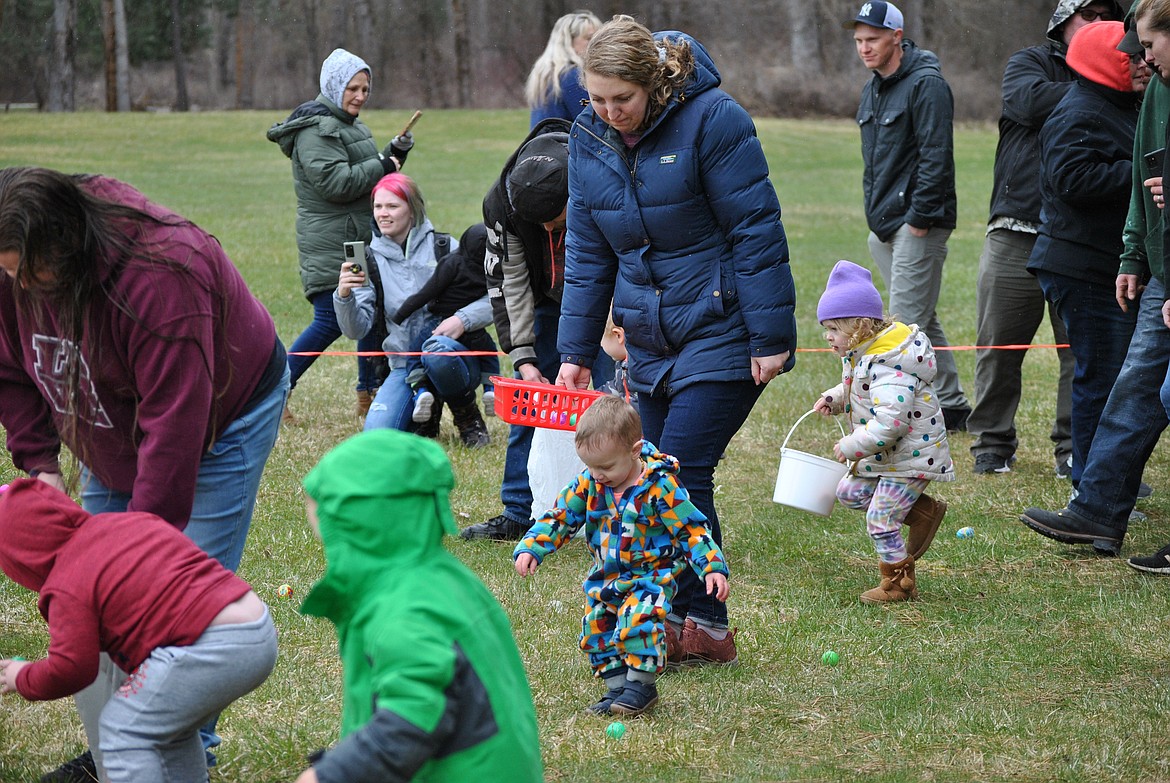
(400, 259)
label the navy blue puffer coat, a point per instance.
(683, 232)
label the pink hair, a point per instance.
(406, 189)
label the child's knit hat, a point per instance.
(1093, 54)
(850, 293)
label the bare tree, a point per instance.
(462, 52)
(803, 36)
(245, 68)
(182, 102)
(117, 57)
(62, 46)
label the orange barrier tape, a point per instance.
(1021, 347)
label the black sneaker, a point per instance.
(635, 698)
(602, 705)
(1157, 563)
(993, 463)
(498, 528)
(77, 770)
(1064, 468)
(956, 419)
(1144, 491)
(1069, 527)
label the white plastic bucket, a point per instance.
(806, 481)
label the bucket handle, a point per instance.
(802, 418)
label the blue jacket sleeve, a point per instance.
(740, 193)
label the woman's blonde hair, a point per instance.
(624, 49)
(1158, 12)
(860, 329)
(544, 80)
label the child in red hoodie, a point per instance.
(193, 634)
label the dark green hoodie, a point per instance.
(434, 688)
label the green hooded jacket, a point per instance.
(434, 688)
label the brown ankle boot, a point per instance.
(364, 398)
(923, 520)
(898, 584)
(473, 430)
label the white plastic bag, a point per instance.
(552, 464)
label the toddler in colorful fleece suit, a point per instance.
(642, 530)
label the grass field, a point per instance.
(1024, 660)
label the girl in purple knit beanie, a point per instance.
(897, 442)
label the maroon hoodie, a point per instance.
(158, 386)
(122, 584)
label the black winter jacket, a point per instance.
(1086, 150)
(1034, 81)
(907, 146)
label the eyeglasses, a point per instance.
(1089, 15)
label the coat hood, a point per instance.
(901, 347)
(1065, 9)
(706, 75)
(383, 506)
(337, 70)
(914, 60)
(36, 522)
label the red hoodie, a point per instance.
(122, 584)
(157, 386)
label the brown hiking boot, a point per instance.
(923, 520)
(700, 649)
(364, 398)
(674, 648)
(898, 584)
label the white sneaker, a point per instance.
(424, 404)
(489, 403)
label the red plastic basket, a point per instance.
(541, 404)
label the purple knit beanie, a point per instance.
(850, 293)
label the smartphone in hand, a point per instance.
(355, 256)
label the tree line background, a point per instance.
(787, 58)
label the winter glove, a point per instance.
(391, 162)
(401, 145)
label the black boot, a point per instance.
(472, 429)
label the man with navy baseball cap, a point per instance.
(877, 13)
(907, 147)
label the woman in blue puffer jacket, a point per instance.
(672, 216)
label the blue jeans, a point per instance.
(225, 492)
(1098, 335)
(695, 425)
(454, 378)
(321, 333)
(1131, 423)
(515, 493)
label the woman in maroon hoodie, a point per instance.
(128, 336)
(193, 634)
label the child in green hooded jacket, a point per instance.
(434, 688)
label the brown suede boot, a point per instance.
(898, 584)
(364, 398)
(923, 520)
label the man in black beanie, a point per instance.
(525, 216)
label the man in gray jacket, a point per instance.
(909, 181)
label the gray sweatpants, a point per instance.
(149, 728)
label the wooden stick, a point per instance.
(409, 125)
